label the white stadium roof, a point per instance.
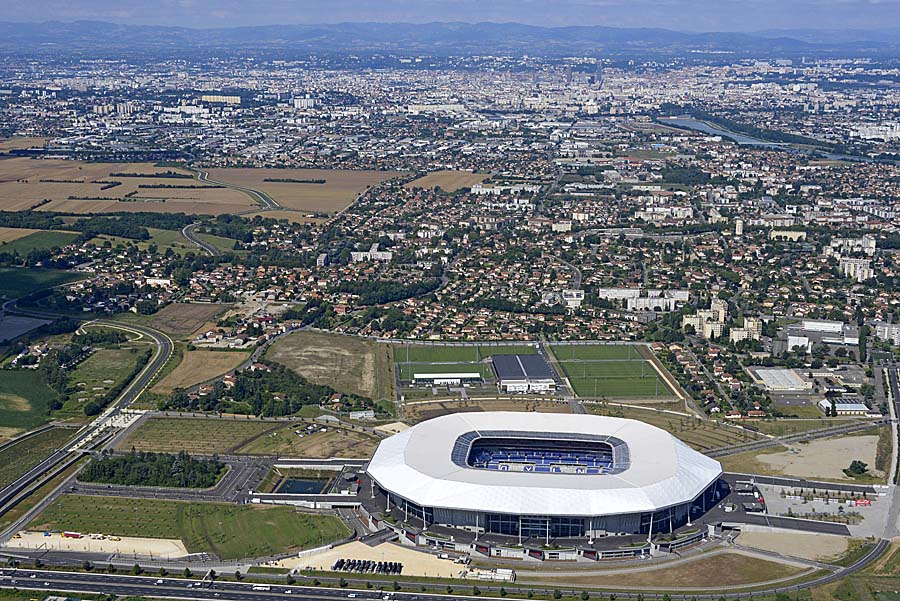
(660, 471)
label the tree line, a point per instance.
(153, 469)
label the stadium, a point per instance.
(543, 475)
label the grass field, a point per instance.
(783, 427)
(610, 371)
(699, 434)
(417, 412)
(25, 400)
(229, 531)
(39, 241)
(94, 377)
(197, 436)
(449, 181)
(76, 187)
(199, 366)
(20, 457)
(720, 570)
(336, 442)
(15, 282)
(349, 365)
(164, 240)
(337, 193)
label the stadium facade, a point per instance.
(543, 475)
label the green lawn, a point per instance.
(94, 377)
(597, 352)
(615, 379)
(25, 398)
(17, 282)
(410, 353)
(17, 459)
(229, 531)
(38, 240)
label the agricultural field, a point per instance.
(25, 400)
(17, 282)
(21, 143)
(701, 435)
(197, 436)
(183, 319)
(349, 365)
(94, 377)
(449, 181)
(78, 187)
(337, 193)
(610, 371)
(335, 442)
(39, 240)
(197, 367)
(226, 530)
(8, 234)
(13, 326)
(21, 456)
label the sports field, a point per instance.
(422, 353)
(16, 282)
(610, 371)
(197, 436)
(295, 190)
(449, 181)
(347, 364)
(79, 187)
(25, 400)
(20, 457)
(229, 531)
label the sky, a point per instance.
(682, 15)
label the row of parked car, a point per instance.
(367, 566)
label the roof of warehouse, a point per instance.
(521, 367)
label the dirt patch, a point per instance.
(199, 366)
(155, 547)
(6, 432)
(349, 365)
(826, 458)
(335, 442)
(449, 181)
(415, 563)
(13, 402)
(796, 544)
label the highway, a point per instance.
(146, 586)
(262, 198)
(189, 233)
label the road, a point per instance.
(189, 232)
(267, 202)
(146, 586)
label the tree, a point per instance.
(857, 468)
(238, 575)
(87, 566)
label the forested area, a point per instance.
(153, 469)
